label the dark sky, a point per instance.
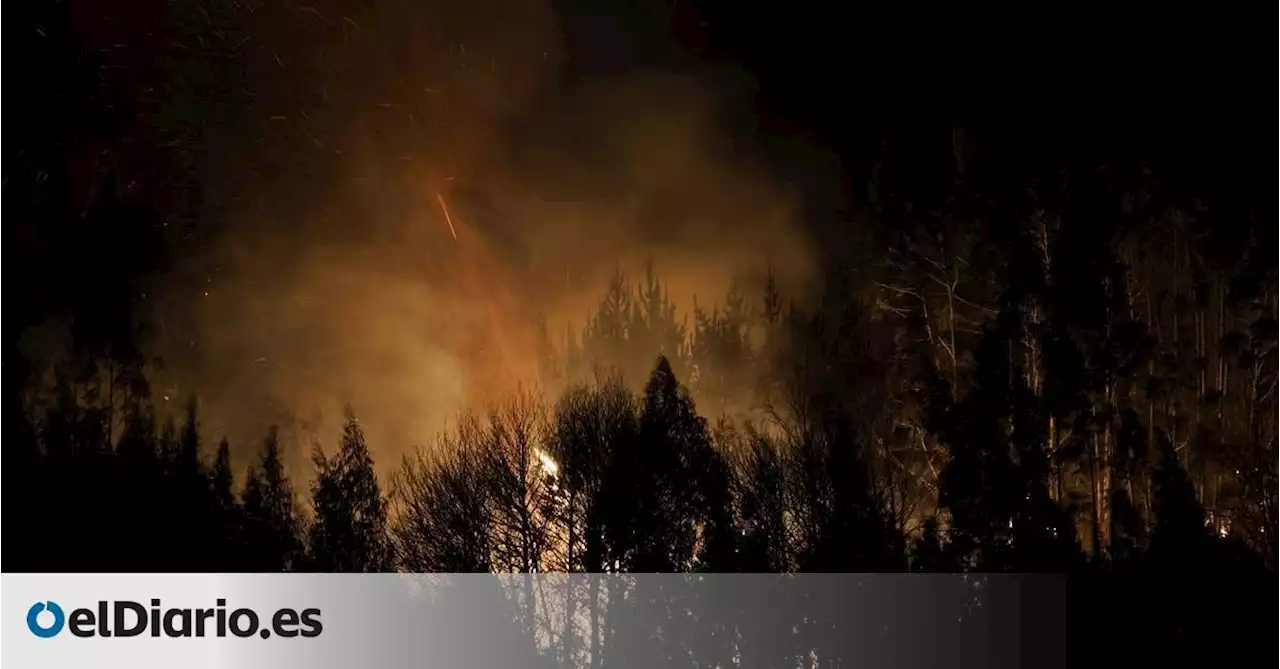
(1191, 95)
(817, 81)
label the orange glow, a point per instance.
(494, 338)
(447, 218)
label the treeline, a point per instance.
(986, 380)
(1085, 327)
(600, 480)
(1135, 309)
(604, 480)
(1077, 376)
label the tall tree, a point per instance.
(520, 475)
(226, 521)
(272, 526)
(589, 423)
(761, 480)
(349, 529)
(445, 519)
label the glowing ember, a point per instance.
(448, 219)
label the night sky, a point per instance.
(183, 173)
(816, 94)
(647, 287)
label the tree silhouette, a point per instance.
(654, 511)
(349, 530)
(272, 527)
(761, 476)
(1071, 372)
(1180, 537)
(591, 425)
(226, 522)
(223, 494)
(445, 519)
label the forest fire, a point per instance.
(493, 326)
(549, 465)
(498, 288)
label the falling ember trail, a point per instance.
(448, 219)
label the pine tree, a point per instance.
(190, 507)
(668, 492)
(222, 477)
(226, 510)
(272, 527)
(188, 457)
(656, 533)
(349, 530)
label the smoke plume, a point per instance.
(404, 191)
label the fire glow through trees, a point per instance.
(393, 199)
(517, 286)
(908, 322)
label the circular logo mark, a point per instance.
(33, 619)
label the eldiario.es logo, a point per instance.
(130, 619)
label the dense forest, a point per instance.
(1033, 385)
(1076, 377)
(1067, 370)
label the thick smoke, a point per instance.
(337, 276)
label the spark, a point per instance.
(448, 219)
(315, 11)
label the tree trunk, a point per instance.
(1094, 509)
(593, 598)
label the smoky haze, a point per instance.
(335, 275)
